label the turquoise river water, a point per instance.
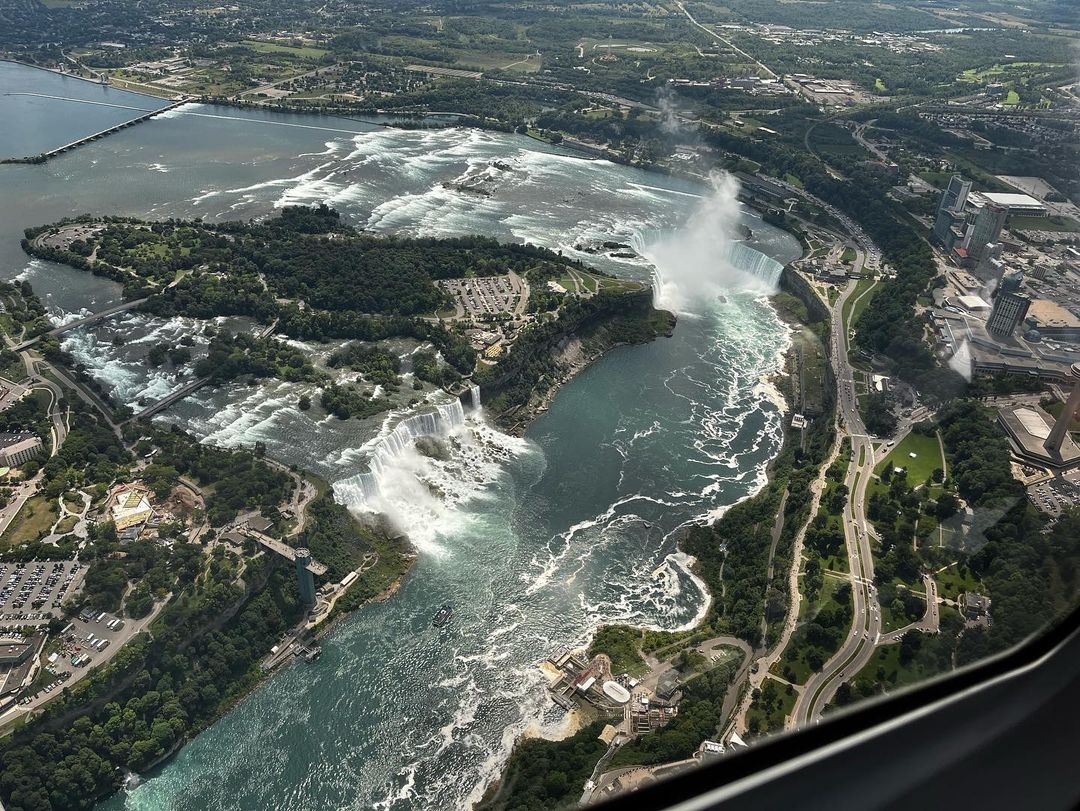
(535, 540)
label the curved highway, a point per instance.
(865, 629)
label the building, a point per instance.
(257, 523)
(1052, 320)
(1060, 431)
(1011, 281)
(1029, 429)
(990, 267)
(1015, 205)
(950, 211)
(1008, 313)
(130, 507)
(18, 448)
(956, 193)
(985, 230)
(14, 652)
(973, 304)
(304, 577)
(10, 393)
(974, 606)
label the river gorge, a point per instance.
(535, 540)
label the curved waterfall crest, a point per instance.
(700, 261)
(390, 449)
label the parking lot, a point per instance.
(486, 295)
(1054, 495)
(89, 639)
(32, 593)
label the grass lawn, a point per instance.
(854, 305)
(927, 457)
(848, 255)
(304, 51)
(618, 285)
(73, 501)
(767, 714)
(588, 282)
(885, 666)
(66, 525)
(36, 516)
(1044, 224)
(952, 582)
(494, 60)
(892, 622)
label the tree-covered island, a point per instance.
(514, 319)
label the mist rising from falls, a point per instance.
(704, 258)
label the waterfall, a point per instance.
(474, 397)
(390, 449)
(426, 466)
(755, 263)
(688, 273)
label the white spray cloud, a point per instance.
(669, 116)
(694, 264)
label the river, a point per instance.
(537, 540)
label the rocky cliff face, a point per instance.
(525, 381)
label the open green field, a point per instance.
(955, 580)
(857, 302)
(303, 51)
(927, 457)
(627, 48)
(36, 517)
(618, 285)
(487, 60)
(885, 666)
(996, 72)
(768, 712)
(1043, 224)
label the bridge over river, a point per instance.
(82, 322)
(52, 153)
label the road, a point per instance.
(719, 38)
(860, 139)
(865, 630)
(59, 427)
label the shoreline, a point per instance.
(527, 414)
(318, 632)
(575, 720)
(55, 72)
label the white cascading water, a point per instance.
(704, 259)
(421, 491)
(388, 450)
